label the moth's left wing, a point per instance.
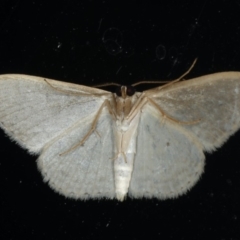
(209, 106)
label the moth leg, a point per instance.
(168, 83)
(93, 127)
(144, 100)
(169, 117)
(181, 77)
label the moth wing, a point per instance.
(34, 110)
(168, 160)
(209, 106)
(85, 171)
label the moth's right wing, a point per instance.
(35, 110)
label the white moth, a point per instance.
(93, 144)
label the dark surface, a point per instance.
(92, 42)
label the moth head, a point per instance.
(125, 91)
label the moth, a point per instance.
(96, 144)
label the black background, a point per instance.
(92, 42)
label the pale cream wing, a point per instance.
(210, 105)
(87, 170)
(35, 110)
(168, 160)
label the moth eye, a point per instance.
(118, 91)
(130, 90)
